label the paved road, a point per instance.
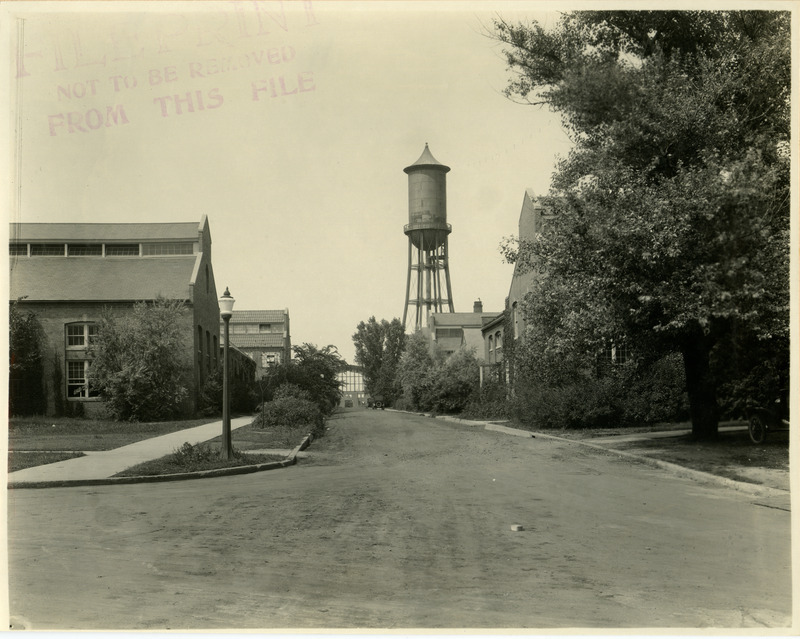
(398, 521)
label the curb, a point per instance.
(290, 460)
(757, 490)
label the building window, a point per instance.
(81, 335)
(515, 319)
(491, 348)
(200, 351)
(208, 352)
(621, 353)
(115, 250)
(168, 248)
(270, 328)
(268, 359)
(498, 345)
(47, 249)
(16, 249)
(76, 250)
(615, 353)
(79, 384)
(449, 332)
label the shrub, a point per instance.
(624, 396)
(583, 404)
(189, 455)
(659, 394)
(287, 390)
(453, 382)
(291, 412)
(140, 364)
(26, 366)
(434, 381)
(490, 402)
(314, 370)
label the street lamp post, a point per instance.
(226, 310)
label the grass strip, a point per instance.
(169, 464)
(19, 460)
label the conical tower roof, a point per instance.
(427, 161)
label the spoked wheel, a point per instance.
(758, 429)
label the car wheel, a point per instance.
(758, 430)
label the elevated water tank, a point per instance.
(427, 202)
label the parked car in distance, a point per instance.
(768, 419)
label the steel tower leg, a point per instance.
(408, 283)
(420, 287)
(447, 275)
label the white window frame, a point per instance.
(79, 387)
(87, 334)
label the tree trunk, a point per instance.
(701, 387)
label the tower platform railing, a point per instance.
(425, 226)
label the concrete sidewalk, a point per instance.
(104, 464)
(635, 437)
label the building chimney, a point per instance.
(477, 307)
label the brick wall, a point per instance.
(54, 317)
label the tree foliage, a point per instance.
(291, 407)
(140, 365)
(314, 370)
(242, 393)
(672, 225)
(26, 367)
(434, 381)
(379, 346)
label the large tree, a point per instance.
(672, 225)
(379, 346)
(140, 365)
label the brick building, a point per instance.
(261, 335)
(495, 365)
(451, 331)
(532, 219)
(67, 274)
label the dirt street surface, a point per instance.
(396, 521)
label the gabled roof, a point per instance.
(261, 340)
(102, 279)
(69, 232)
(251, 317)
(492, 323)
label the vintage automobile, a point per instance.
(765, 420)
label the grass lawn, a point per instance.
(34, 441)
(731, 455)
(170, 464)
(19, 461)
(251, 438)
(726, 456)
(70, 434)
(206, 456)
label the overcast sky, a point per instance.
(302, 118)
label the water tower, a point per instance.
(427, 232)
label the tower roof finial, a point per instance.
(427, 160)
